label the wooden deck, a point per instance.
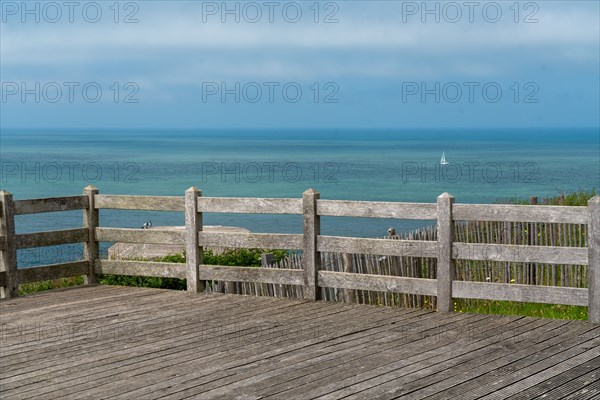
(101, 342)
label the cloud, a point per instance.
(171, 46)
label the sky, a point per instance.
(304, 64)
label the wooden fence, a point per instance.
(446, 250)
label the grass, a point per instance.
(34, 287)
(554, 311)
(579, 198)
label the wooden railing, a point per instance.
(446, 250)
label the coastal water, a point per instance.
(485, 166)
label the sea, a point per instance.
(484, 166)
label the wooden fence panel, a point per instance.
(541, 247)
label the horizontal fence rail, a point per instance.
(445, 248)
(127, 235)
(53, 271)
(245, 274)
(502, 212)
(520, 253)
(141, 268)
(249, 206)
(380, 283)
(520, 293)
(250, 240)
(382, 247)
(51, 238)
(51, 204)
(145, 203)
(373, 209)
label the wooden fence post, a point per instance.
(445, 263)
(594, 260)
(193, 225)
(347, 260)
(91, 248)
(312, 258)
(8, 255)
(531, 240)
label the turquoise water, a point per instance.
(484, 166)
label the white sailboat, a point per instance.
(443, 160)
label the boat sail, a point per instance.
(443, 160)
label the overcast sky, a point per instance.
(345, 64)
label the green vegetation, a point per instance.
(33, 287)
(579, 198)
(555, 311)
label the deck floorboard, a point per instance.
(107, 342)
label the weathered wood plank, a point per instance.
(252, 312)
(152, 313)
(520, 293)
(383, 247)
(194, 252)
(589, 392)
(311, 256)
(250, 240)
(403, 366)
(533, 374)
(445, 263)
(316, 380)
(379, 283)
(559, 386)
(329, 359)
(594, 259)
(53, 271)
(242, 205)
(51, 238)
(430, 377)
(2, 243)
(285, 352)
(126, 235)
(8, 256)
(151, 203)
(555, 388)
(251, 274)
(177, 343)
(520, 213)
(375, 209)
(141, 268)
(520, 253)
(91, 220)
(52, 204)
